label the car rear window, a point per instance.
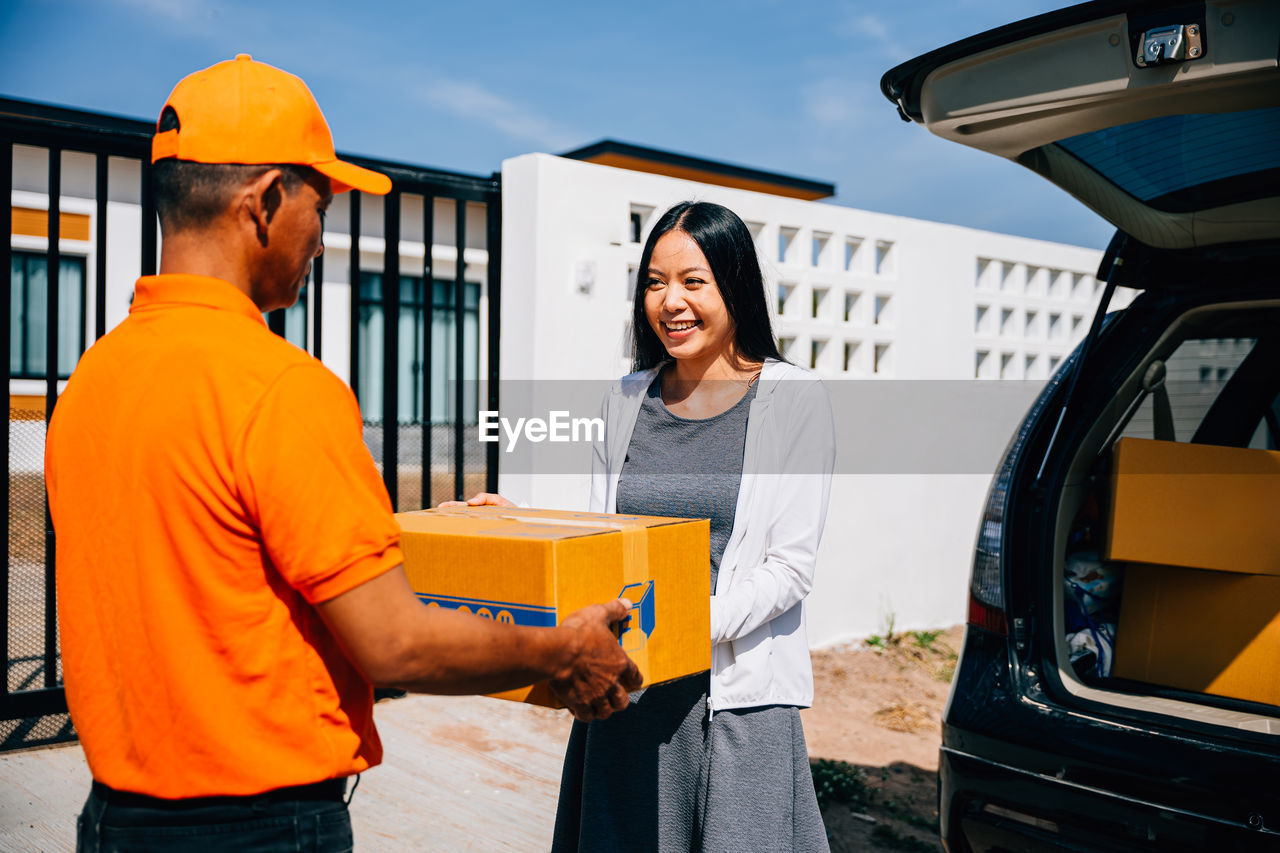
(1188, 162)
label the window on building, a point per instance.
(816, 348)
(1029, 367)
(786, 345)
(980, 321)
(632, 273)
(1055, 326)
(980, 362)
(639, 217)
(982, 274)
(851, 306)
(882, 311)
(880, 364)
(784, 293)
(820, 241)
(1055, 282)
(853, 254)
(1054, 361)
(412, 339)
(786, 244)
(29, 314)
(1006, 321)
(1006, 365)
(1035, 281)
(1032, 324)
(850, 356)
(1006, 276)
(819, 299)
(884, 257)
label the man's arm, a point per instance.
(398, 642)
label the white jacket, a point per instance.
(759, 652)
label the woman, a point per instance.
(713, 424)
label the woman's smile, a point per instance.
(680, 329)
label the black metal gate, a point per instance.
(425, 455)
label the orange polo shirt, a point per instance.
(209, 484)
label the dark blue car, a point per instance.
(1119, 685)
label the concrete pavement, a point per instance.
(459, 773)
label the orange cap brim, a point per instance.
(348, 176)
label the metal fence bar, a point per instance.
(493, 242)
(148, 221)
(54, 261)
(353, 274)
(6, 255)
(100, 251)
(316, 316)
(34, 703)
(428, 314)
(80, 326)
(275, 321)
(391, 345)
(459, 351)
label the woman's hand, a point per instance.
(482, 499)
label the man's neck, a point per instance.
(207, 253)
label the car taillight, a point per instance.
(986, 584)
(987, 595)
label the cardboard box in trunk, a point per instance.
(1204, 631)
(1199, 528)
(1195, 505)
(534, 567)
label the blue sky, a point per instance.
(785, 86)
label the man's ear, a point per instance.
(258, 201)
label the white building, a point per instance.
(858, 295)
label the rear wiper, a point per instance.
(1112, 260)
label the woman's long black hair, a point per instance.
(731, 253)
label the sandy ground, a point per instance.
(879, 708)
(494, 766)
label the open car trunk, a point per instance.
(1164, 118)
(1166, 572)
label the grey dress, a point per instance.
(663, 775)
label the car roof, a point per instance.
(1176, 151)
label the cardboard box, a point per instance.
(1195, 505)
(537, 566)
(1199, 529)
(1205, 631)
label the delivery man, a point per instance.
(229, 580)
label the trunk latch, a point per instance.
(1163, 45)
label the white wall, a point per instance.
(898, 542)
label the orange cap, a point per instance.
(241, 111)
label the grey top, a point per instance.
(686, 468)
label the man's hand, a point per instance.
(596, 682)
(396, 642)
